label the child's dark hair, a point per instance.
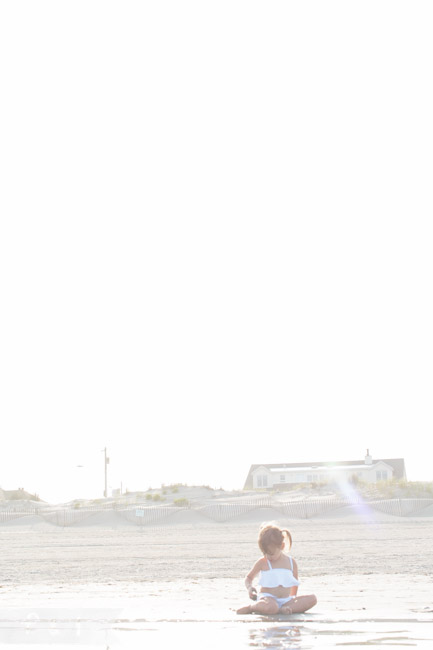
(270, 535)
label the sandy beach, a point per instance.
(109, 583)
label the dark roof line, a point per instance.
(324, 464)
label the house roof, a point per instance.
(329, 467)
(397, 465)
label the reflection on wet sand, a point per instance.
(279, 637)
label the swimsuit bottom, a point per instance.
(280, 601)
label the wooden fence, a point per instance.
(148, 515)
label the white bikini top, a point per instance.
(278, 577)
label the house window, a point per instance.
(262, 480)
(381, 476)
(309, 478)
(282, 478)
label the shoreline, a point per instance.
(174, 614)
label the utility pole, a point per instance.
(106, 461)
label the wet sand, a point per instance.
(122, 586)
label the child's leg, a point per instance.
(262, 606)
(299, 604)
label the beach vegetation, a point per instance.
(182, 502)
(174, 487)
(317, 485)
(399, 488)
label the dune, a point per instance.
(186, 516)
(258, 516)
(359, 512)
(25, 520)
(208, 506)
(107, 519)
(424, 512)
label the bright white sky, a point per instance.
(216, 243)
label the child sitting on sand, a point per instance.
(278, 577)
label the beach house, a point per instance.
(282, 475)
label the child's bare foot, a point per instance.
(244, 610)
(286, 609)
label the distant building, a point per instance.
(278, 476)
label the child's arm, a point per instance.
(252, 591)
(294, 590)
